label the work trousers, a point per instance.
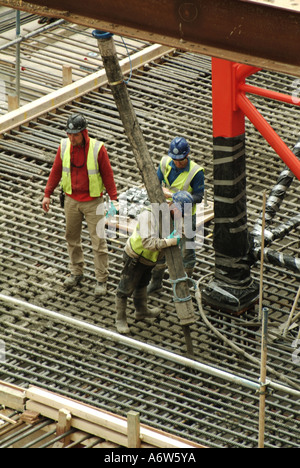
(93, 213)
(135, 276)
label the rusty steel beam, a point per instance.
(242, 31)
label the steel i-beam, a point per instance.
(237, 30)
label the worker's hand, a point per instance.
(112, 211)
(116, 205)
(173, 238)
(167, 193)
(46, 204)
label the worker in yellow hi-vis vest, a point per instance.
(83, 167)
(143, 250)
(179, 174)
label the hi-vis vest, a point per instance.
(137, 245)
(183, 181)
(96, 185)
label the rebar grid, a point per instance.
(171, 97)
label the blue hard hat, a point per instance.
(181, 198)
(179, 148)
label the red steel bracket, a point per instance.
(231, 105)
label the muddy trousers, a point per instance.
(133, 282)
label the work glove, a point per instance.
(173, 238)
(112, 211)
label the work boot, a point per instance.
(140, 303)
(189, 272)
(72, 281)
(100, 289)
(156, 280)
(121, 322)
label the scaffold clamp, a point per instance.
(264, 388)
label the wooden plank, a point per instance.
(12, 396)
(98, 422)
(83, 425)
(77, 89)
(12, 102)
(6, 419)
(64, 425)
(67, 75)
(160, 439)
(30, 417)
(84, 412)
(133, 420)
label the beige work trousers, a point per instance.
(93, 213)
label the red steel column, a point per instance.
(232, 287)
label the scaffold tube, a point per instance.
(153, 350)
(32, 34)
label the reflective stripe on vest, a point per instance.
(137, 245)
(183, 181)
(96, 185)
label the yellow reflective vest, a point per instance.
(96, 185)
(137, 244)
(183, 181)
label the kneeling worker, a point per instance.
(142, 251)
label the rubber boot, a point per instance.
(156, 280)
(189, 272)
(121, 322)
(140, 303)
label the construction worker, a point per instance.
(83, 167)
(179, 174)
(142, 251)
